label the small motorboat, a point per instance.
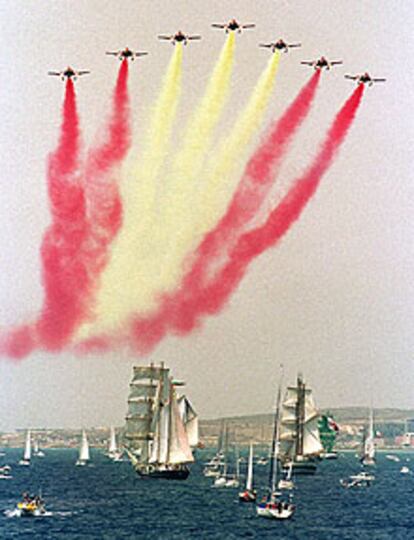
(362, 479)
(275, 508)
(405, 470)
(5, 472)
(31, 506)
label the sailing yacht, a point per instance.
(300, 444)
(274, 506)
(158, 444)
(27, 450)
(36, 450)
(113, 451)
(213, 466)
(368, 445)
(233, 481)
(84, 456)
(249, 494)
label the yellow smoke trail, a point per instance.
(179, 186)
(139, 190)
(203, 211)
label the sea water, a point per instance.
(107, 500)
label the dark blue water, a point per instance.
(108, 501)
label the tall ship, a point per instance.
(161, 425)
(328, 432)
(300, 444)
(368, 445)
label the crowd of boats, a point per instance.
(161, 433)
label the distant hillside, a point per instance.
(258, 427)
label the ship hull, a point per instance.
(179, 473)
(303, 467)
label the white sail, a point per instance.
(84, 448)
(28, 447)
(179, 447)
(112, 448)
(369, 446)
(290, 423)
(249, 480)
(190, 419)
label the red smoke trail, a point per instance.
(85, 218)
(180, 313)
(101, 178)
(64, 276)
(254, 186)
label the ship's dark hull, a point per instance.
(179, 473)
(303, 467)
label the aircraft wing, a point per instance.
(268, 45)
(292, 45)
(83, 72)
(218, 25)
(308, 63)
(57, 73)
(165, 37)
(336, 63)
(140, 54)
(248, 25)
(113, 53)
(379, 80)
(352, 77)
(193, 37)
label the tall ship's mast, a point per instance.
(368, 445)
(300, 445)
(160, 425)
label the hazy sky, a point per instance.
(334, 300)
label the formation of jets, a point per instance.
(231, 26)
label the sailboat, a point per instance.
(36, 450)
(27, 450)
(368, 445)
(273, 506)
(212, 467)
(249, 494)
(84, 457)
(300, 444)
(234, 480)
(158, 443)
(113, 451)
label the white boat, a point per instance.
(368, 444)
(249, 494)
(287, 482)
(36, 450)
(5, 471)
(300, 444)
(114, 452)
(84, 456)
(25, 461)
(405, 470)
(274, 506)
(362, 479)
(158, 437)
(393, 457)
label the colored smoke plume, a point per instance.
(180, 312)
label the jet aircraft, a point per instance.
(68, 73)
(233, 26)
(179, 37)
(322, 63)
(280, 45)
(365, 78)
(127, 54)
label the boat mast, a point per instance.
(275, 441)
(300, 416)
